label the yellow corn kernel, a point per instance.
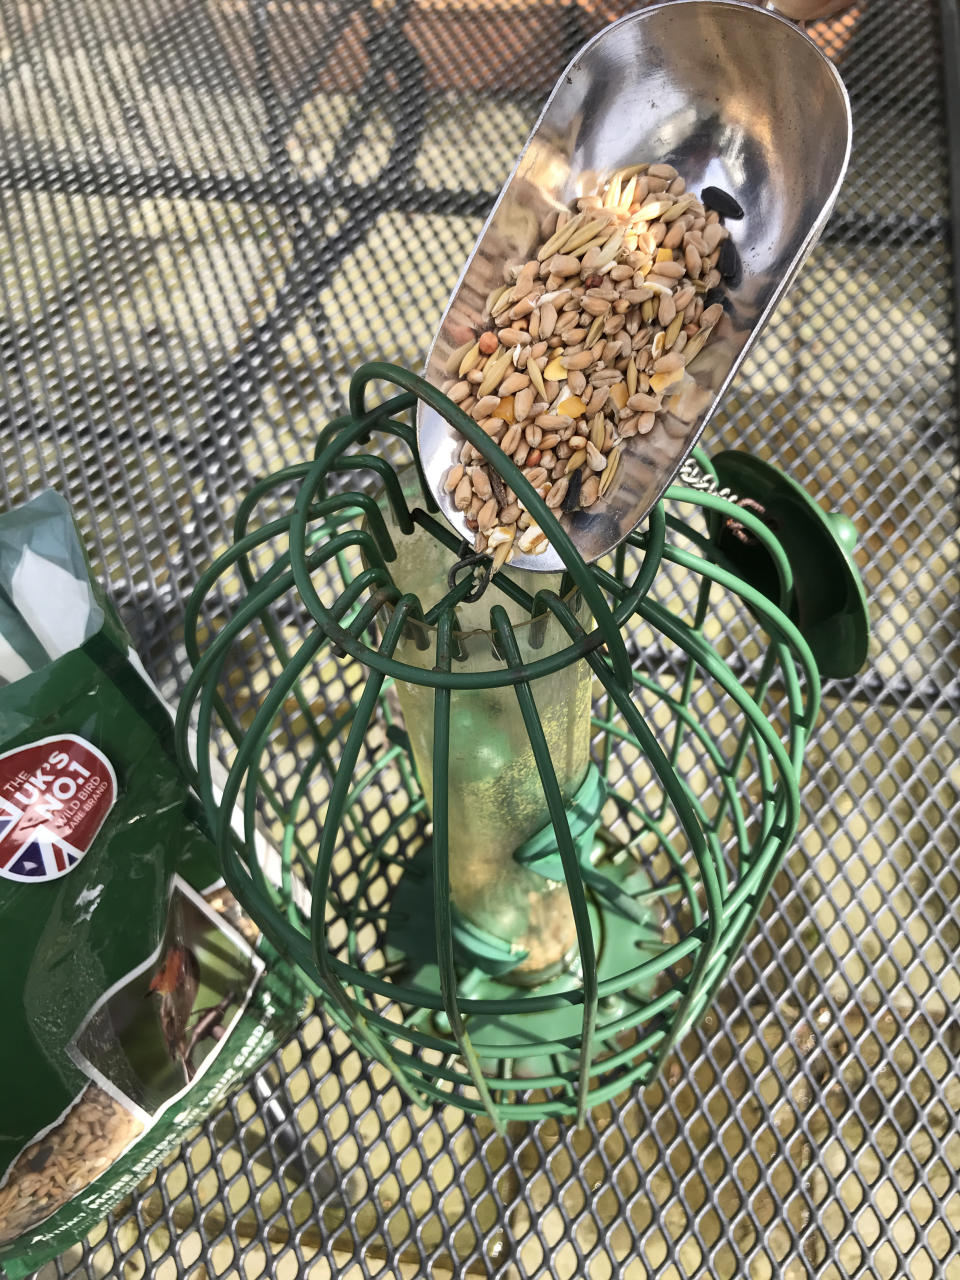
(572, 407)
(660, 381)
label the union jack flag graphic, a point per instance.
(42, 859)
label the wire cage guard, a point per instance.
(666, 850)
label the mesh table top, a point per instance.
(212, 211)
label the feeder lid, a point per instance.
(829, 603)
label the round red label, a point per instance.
(55, 795)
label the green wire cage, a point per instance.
(517, 828)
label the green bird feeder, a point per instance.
(525, 821)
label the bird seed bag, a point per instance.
(135, 994)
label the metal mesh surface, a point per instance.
(211, 211)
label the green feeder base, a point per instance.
(517, 1038)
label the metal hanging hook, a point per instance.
(471, 560)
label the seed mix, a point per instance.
(585, 345)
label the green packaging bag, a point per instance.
(135, 995)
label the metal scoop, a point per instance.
(734, 97)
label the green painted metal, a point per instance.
(663, 891)
(827, 601)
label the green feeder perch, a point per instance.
(525, 825)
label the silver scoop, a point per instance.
(734, 97)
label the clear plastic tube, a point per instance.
(495, 796)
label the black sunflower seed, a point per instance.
(497, 486)
(721, 202)
(572, 499)
(729, 264)
(712, 296)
